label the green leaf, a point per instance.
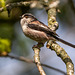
(5, 46)
(2, 4)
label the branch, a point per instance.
(37, 58)
(63, 55)
(53, 24)
(12, 5)
(32, 4)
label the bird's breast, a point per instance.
(24, 28)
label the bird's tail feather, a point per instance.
(65, 42)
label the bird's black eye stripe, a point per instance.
(26, 16)
(29, 16)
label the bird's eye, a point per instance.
(26, 16)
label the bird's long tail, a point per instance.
(65, 42)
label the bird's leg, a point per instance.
(39, 45)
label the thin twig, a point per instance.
(54, 68)
(21, 58)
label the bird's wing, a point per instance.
(37, 25)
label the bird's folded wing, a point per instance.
(41, 27)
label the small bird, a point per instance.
(38, 31)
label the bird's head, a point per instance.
(27, 18)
